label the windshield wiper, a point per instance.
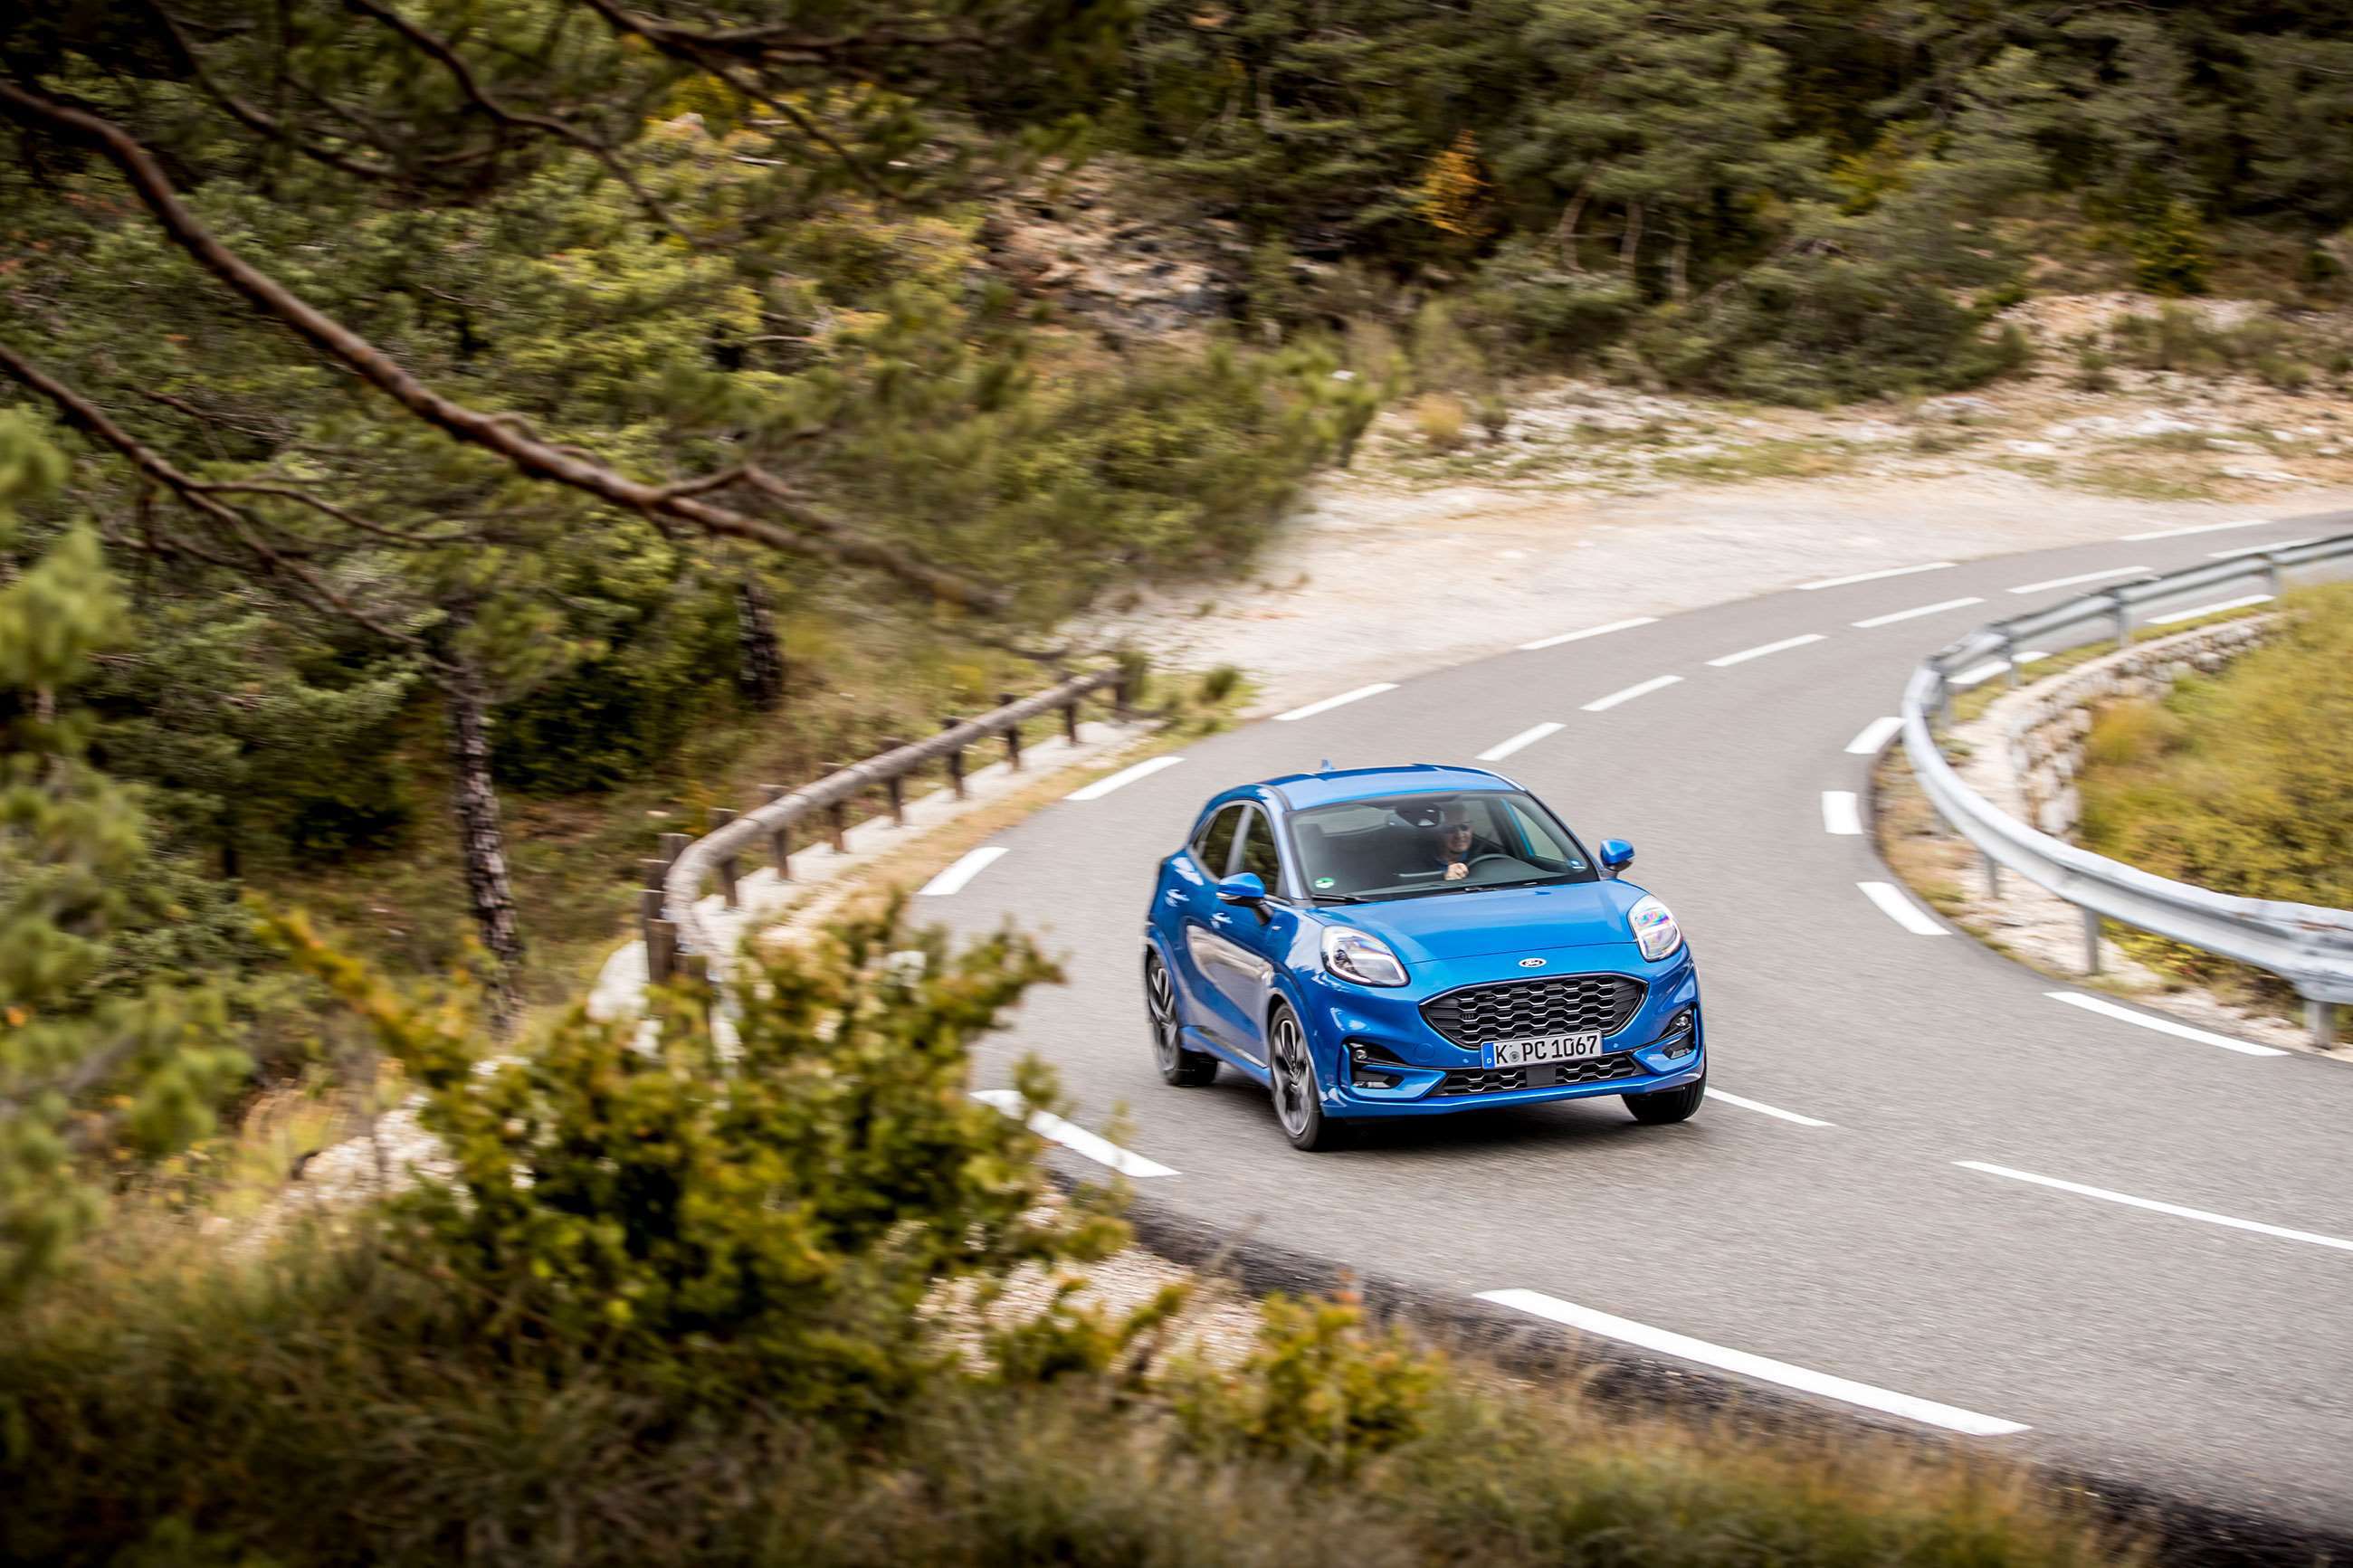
(1343, 899)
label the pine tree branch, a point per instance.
(253, 117)
(812, 534)
(479, 98)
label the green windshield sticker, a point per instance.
(1323, 881)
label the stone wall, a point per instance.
(2028, 746)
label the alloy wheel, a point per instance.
(1161, 997)
(1295, 1078)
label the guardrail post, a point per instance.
(1012, 735)
(1944, 700)
(2123, 624)
(2010, 661)
(2091, 942)
(895, 786)
(956, 762)
(719, 817)
(2322, 1017)
(1993, 878)
(780, 838)
(661, 951)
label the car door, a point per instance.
(1255, 942)
(1201, 950)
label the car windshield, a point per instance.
(1415, 846)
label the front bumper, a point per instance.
(1366, 1032)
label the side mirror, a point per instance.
(1615, 856)
(1241, 888)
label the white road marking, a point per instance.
(2079, 577)
(1527, 737)
(2254, 549)
(1978, 674)
(2106, 1008)
(1874, 735)
(1840, 813)
(1120, 780)
(1901, 910)
(1073, 1137)
(2201, 528)
(1624, 625)
(953, 879)
(1764, 1110)
(1950, 1418)
(2238, 603)
(2210, 1217)
(1890, 620)
(1873, 576)
(1744, 655)
(1312, 709)
(1640, 689)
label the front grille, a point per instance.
(1525, 1009)
(1544, 1075)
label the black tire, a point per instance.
(1185, 1069)
(1291, 1084)
(1661, 1106)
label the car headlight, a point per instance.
(1363, 960)
(1655, 931)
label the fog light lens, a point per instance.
(1676, 1041)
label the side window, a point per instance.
(1217, 840)
(1259, 857)
(1545, 845)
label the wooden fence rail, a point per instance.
(669, 918)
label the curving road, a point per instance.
(1942, 1194)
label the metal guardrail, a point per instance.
(668, 915)
(2308, 945)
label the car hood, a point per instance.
(1441, 926)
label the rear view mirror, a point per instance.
(1615, 854)
(1241, 888)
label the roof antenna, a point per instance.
(1325, 766)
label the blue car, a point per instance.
(1413, 941)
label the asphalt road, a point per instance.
(2197, 1358)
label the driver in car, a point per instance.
(1455, 845)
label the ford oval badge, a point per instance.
(1532, 964)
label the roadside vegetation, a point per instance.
(2241, 781)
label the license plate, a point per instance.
(1545, 1048)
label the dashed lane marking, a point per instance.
(2205, 1215)
(1762, 1108)
(1358, 695)
(1901, 910)
(1913, 614)
(1744, 655)
(1640, 688)
(1073, 1137)
(1625, 625)
(1841, 814)
(1873, 576)
(1122, 779)
(2240, 603)
(2108, 1009)
(1527, 737)
(1874, 735)
(2200, 528)
(1928, 1412)
(2079, 577)
(953, 879)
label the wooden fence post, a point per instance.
(955, 761)
(719, 817)
(1071, 721)
(1012, 735)
(780, 838)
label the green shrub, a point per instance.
(1317, 1390)
(757, 1218)
(2169, 251)
(1217, 683)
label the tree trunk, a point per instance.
(1564, 233)
(482, 843)
(1631, 247)
(760, 661)
(1678, 267)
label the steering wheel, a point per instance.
(1486, 855)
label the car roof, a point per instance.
(1300, 791)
